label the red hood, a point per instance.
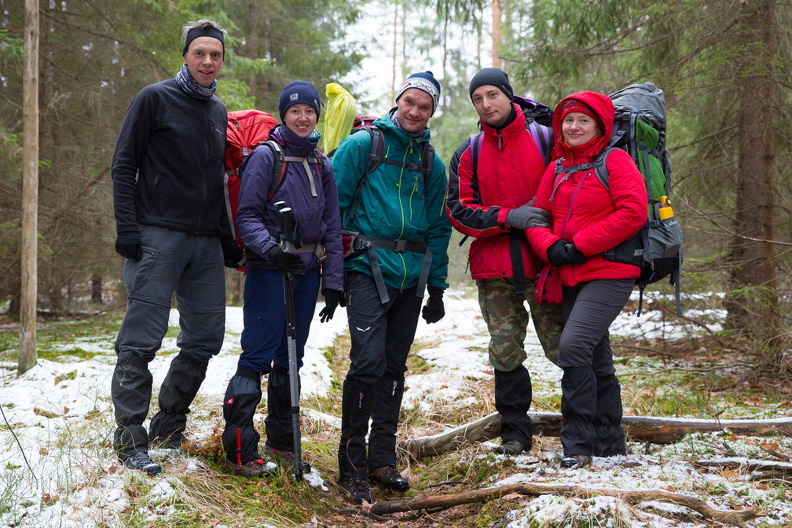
(603, 107)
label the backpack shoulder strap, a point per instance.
(475, 149)
(600, 169)
(543, 137)
(377, 148)
(427, 163)
(598, 165)
(278, 168)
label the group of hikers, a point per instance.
(528, 219)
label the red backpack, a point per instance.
(246, 130)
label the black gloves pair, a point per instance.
(333, 298)
(526, 216)
(562, 253)
(233, 257)
(128, 245)
(434, 309)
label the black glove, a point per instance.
(527, 216)
(232, 253)
(562, 253)
(332, 299)
(128, 245)
(434, 310)
(283, 261)
(574, 255)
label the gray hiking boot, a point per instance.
(142, 462)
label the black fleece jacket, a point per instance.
(168, 163)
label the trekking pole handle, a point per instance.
(286, 225)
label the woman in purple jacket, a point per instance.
(308, 186)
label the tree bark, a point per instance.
(645, 428)
(752, 303)
(29, 294)
(733, 517)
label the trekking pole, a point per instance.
(287, 228)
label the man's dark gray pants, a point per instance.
(191, 267)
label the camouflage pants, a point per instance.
(507, 320)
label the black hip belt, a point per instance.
(399, 245)
(361, 243)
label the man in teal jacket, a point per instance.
(398, 210)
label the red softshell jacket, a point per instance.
(601, 218)
(508, 173)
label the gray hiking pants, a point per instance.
(191, 267)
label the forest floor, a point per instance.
(57, 467)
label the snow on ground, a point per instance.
(55, 468)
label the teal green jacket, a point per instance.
(393, 204)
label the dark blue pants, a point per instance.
(264, 335)
(265, 352)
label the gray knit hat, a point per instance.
(492, 76)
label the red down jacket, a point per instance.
(508, 173)
(601, 218)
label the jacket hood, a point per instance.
(602, 106)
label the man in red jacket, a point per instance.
(489, 198)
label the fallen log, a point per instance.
(782, 469)
(645, 428)
(733, 517)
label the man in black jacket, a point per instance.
(173, 231)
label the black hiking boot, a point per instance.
(575, 461)
(142, 462)
(358, 490)
(510, 447)
(390, 478)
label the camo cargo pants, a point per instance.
(507, 321)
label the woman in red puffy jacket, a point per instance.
(587, 219)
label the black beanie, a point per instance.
(298, 92)
(492, 76)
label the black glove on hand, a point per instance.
(283, 261)
(574, 255)
(526, 217)
(232, 253)
(434, 309)
(128, 245)
(562, 253)
(332, 299)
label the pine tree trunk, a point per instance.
(752, 303)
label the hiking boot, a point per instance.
(251, 469)
(510, 447)
(575, 461)
(142, 462)
(287, 458)
(389, 477)
(358, 490)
